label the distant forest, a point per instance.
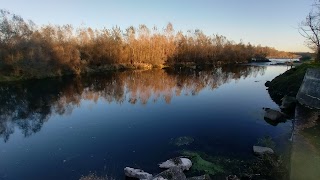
(28, 50)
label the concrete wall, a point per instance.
(305, 155)
(309, 92)
(305, 152)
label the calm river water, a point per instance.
(68, 127)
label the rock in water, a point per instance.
(174, 173)
(259, 150)
(267, 84)
(137, 173)
(273, 115)
(182, 163)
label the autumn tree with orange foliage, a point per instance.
(30, 51)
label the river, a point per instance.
(68, 127)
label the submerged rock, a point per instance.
(183, 163)
(137, 173)
(259, 150)
(183, 140)
(174, 173)
(273, 115)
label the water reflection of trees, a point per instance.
(27, 105)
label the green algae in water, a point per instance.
(199, 164)
(181, 141)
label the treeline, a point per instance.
(275, 54)
(28, 50)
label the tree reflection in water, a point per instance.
(27, 105)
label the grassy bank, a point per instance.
(289, 82)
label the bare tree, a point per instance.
(310, 29)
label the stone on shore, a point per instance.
(183, 163)
(137, 173)
(174, 173)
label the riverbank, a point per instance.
(33, 74)
(85, 70)
(305, 153)
(289, 82)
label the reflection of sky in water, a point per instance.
(105, 123)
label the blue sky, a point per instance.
(267, 22)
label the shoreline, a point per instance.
(114, 68)
(305, 148)
(124, 67)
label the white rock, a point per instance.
(174, 173)
(137, 173)
(183, 163)
(262, 150)
(186, 163)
